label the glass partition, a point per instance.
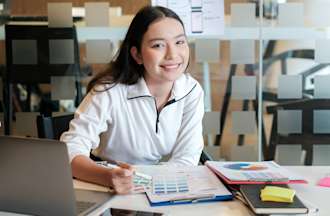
(265, 78)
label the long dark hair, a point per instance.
(124, 69)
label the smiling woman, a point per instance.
(143, 107)
(164, 55)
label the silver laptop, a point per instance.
(35, 178)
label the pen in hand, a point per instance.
(121, 178)
(115, 164)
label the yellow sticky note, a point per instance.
(277, 194)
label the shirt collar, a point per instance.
(182, 86)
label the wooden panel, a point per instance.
(39, 7)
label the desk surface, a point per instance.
(314, 195)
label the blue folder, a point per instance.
(191, 200)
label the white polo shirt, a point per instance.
(122, 123)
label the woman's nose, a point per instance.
(171, 52)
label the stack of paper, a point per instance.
(253, 172)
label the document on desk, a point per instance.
(180, 185)
(253, 172)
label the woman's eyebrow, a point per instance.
(180, 35)
(160, 39)
(155, 39)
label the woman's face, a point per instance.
(164, 51)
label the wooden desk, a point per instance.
(314, 195)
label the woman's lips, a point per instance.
(171, 66)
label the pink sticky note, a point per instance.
(324, 182)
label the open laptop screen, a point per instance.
(36, 177)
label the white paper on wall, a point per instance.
(200, 17)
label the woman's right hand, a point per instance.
(121, 178)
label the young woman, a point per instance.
(142, 108)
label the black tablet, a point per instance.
(126, 212)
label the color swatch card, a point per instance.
(170, 184)
(141, 183)
(180, 185)
(253, 172)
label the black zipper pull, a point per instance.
(157, 121)
(158, 113)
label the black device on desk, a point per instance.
(36, 179)
(127, 212)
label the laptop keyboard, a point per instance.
(83, 206)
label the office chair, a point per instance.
(19, 71)
(205, 156)
(53, 127)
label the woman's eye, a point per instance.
(181, 42)
(157, 45)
